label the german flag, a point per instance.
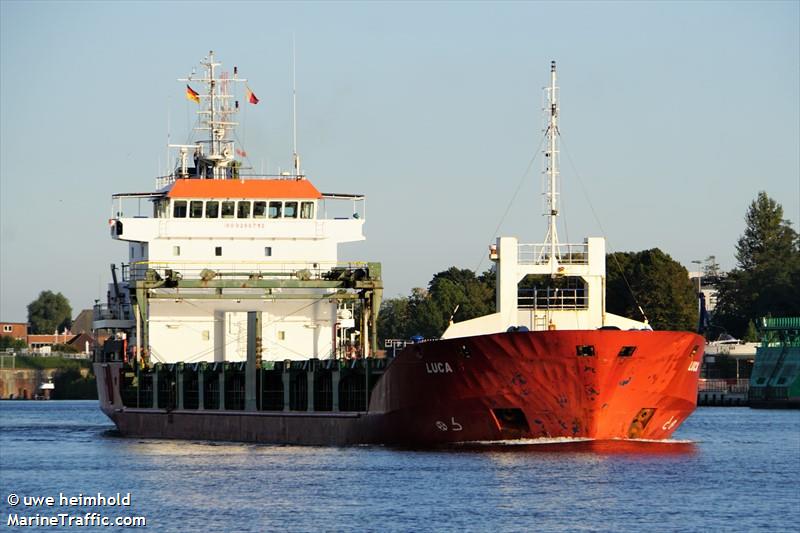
(193, 95)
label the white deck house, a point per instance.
(230, 228)
(580, 305)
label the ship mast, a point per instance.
(295, 155)
(551, 165)
(217, 161)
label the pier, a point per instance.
(723, 392)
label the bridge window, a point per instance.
(218, 251)
(160, 209)
(626, 351)
(212, 209)
(176, 250)
(307, 210)
(268, 251)
(275, 210)
(290, 210)
(228, 209)
(243, 210)
(179, 209)
(259, 209)
(196, 209)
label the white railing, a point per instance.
(553, 298)
(565, 254)
(733, 386)
(106, 312)
(236, 270)
(163, 181)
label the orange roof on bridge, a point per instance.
(234, 188)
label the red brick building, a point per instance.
(17, 330)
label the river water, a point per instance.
(728, 469)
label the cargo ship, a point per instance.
(234, 320)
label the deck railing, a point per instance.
(235, 270)
(733, 386)
(566, 254)
(552, 298)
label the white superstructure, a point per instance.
(219, 244)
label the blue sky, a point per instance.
(674, 116)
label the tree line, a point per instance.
(765, 282)
(48, 313)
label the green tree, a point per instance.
(767, 278)
(71, 385)
(453, 293)
(393, 319)
(660, 284)
(456, 293)
(7, 341)
(63, 348)
(49, 312)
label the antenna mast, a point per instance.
(217, 162)
(296, 156)
(551, 161)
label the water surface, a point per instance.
(728, 469)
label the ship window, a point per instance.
(275, 210)
(760, 381)
(307, 210)
(196, 209)
(7, 328)
(268, 251)
(227, 209)
(281, 335)
(626, 351)
(259, 209)
(243, 210)
(218, 251)
(176, 250)
(290, 210)
(179, 209)
(585, 350)
(160, 208)
(212, 209)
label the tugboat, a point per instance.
(233, 320)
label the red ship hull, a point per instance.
(594, 384)
(535, 384)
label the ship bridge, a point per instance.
(230, 221)
(212, 250)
